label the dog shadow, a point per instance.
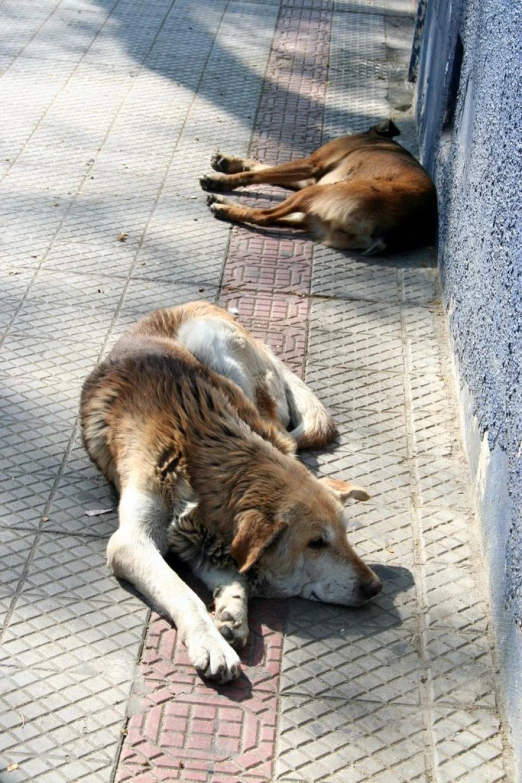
(388, 610)
(311, 621)
(419, 258)
(270, 619)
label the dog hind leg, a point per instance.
(291, 212)
(228, 164)
(135, 553)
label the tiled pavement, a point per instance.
(110, 110)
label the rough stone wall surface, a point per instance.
(476, 158)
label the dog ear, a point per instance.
(343, 490)
(387, 128)
(254, 533)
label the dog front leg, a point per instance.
(286, 174)
(229, 164)
(230, 591)
(135, 553)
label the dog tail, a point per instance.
(314, 428)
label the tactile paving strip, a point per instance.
(266, 272)
(184, 730)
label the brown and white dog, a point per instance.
(188, 418)
(362, 192)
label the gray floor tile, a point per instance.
(346, 742)
(111, 111)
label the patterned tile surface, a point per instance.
(111, 110)
(184, 730)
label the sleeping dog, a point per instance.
(196, 424)
(362, 192)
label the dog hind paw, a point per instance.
(219, 210)
(210, 183)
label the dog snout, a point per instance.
(371, 589)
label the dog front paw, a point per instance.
(231, 617)
(220, 162)
(212, 657)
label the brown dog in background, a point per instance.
(363, 192)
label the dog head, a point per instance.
(297, 545)
(388, 129)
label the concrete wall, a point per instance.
(469, 112)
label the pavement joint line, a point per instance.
(132, 687)
(425, 685)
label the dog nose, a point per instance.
(371, 589)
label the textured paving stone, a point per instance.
(365, 429)
(355, 663)
(37, 357)
(74, 568)
(468, 745)
(381, 533)
(339, 741)
(185, 730)
(35, 431)
(453, 598)
(111, 110)
(264, 310)
(69, 306)
(358, 74)
(271, 266)
(441, 482)
(359, 349)
(341, 276)
(80, 489)
(15, 550)
(356, 316)
(446, 535)
(386, 476)
(144, 295)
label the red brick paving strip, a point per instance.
(186, 730)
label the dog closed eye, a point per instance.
(317, 543)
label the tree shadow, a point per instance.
(206, 47)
